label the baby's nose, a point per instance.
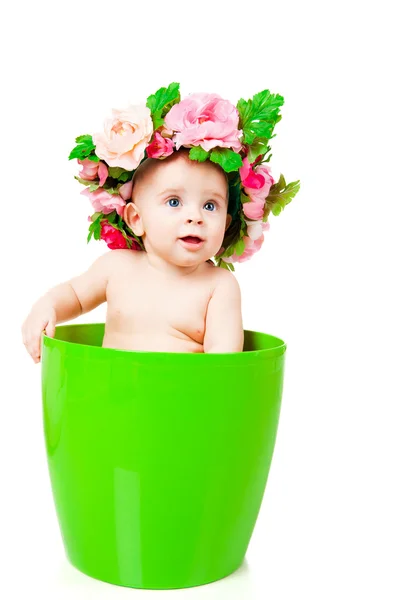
(194, 219)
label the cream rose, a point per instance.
(125, 137)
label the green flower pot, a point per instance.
(158, 461)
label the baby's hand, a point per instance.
(42, 316)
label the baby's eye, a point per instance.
(174, 200)
(177, 200)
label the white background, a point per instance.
(325, 280)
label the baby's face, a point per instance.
(178, 197)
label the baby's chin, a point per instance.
(189, 261)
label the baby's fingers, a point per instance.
(32, 344)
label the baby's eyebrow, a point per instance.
(177, 190)
(169, 191)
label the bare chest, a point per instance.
(141, 306)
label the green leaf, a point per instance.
(240, 247)
(227, 158)
(222, 264)
(95, 228)
(84, 139)
(91, 185)
(280, 195)
(115, 220)
(258, 147)
(158, 120)
(93, 157)
(84, 147)
(162, 101)
(111, 189)
(199, 154)
(229, 251)
(112, 217)
(124, 177)
(259, 115)
(164, 97)
(120, 174)
(280, 185)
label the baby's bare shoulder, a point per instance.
(123, 253)
(224, 276)
(121, 258)
(226, 283)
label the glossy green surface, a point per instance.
(158, 461)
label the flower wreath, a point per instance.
(236, 138)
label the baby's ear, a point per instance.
(133, 219)
(228, 221)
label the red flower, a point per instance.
(160, 147)
(114, 238)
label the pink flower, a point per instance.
(91, 170)
(125, 137)
(204, 120)
(262, 192)
(251, 247)
(104, 202)
(249, 177)
(257, 183)
(160, 147)
(252, 242)
(254, 209)
(125, 191)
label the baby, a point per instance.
(171, 297)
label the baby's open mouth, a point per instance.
(191, 239)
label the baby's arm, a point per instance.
(224, 325)
(66, 301)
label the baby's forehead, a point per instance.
(170, 173)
